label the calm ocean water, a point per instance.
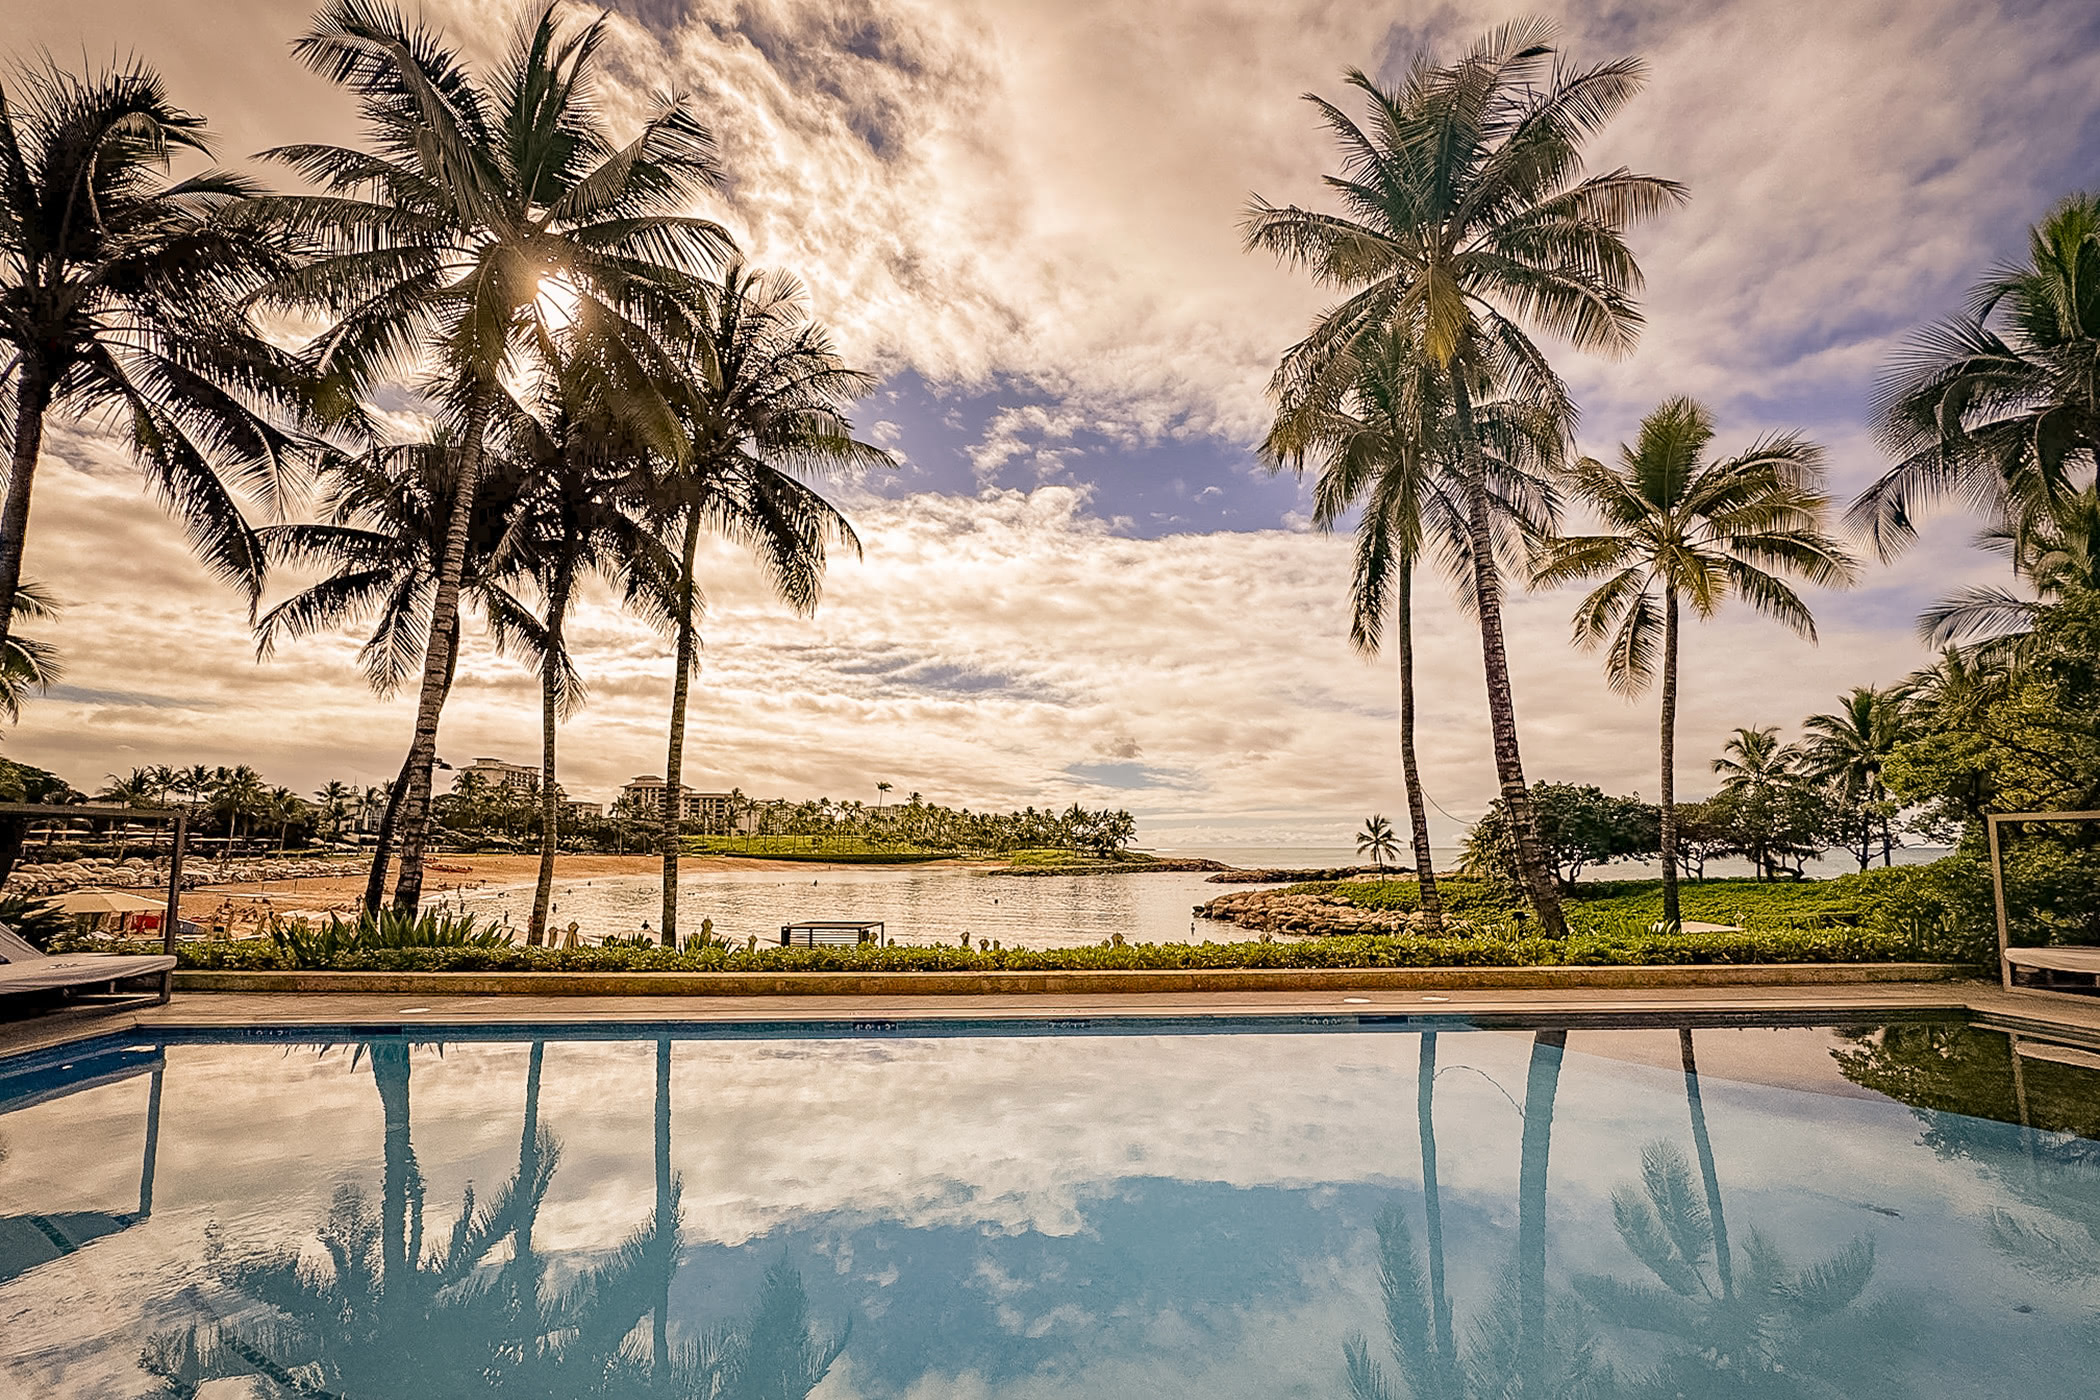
(920, 904)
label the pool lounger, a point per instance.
(2086, 960)
(26, 969)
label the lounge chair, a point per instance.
(2057, 967)
(25, 969)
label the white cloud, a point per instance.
(980, 648)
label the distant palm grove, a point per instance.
(595, 381)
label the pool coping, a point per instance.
(296, 1016)
(1084, 982)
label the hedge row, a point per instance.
(1580, 949)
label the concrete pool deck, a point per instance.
(2045, 1014)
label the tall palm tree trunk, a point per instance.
(674, 757)
(390, 814)
(1707, 1172)
(438, 662)
(550, 792)
(1538, 881)
(1427, 895)
(529, 1159)
(1671, 915)
(1540, 1087)
(1432, 1198)
(397, 1243)
(660, 1330)
(32, 398)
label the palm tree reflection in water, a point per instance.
(386, 1317)
(1736, 1323)
(1525, 1343)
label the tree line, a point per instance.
(238, 805)
(1460, 224)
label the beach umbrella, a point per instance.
(106, 902)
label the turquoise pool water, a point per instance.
(1331, 1211)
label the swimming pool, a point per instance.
(1276, 1210)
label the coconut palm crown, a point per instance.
(120, 291)
(1999, 406)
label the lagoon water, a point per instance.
(771, 1215)
(939, 904)
(917, 904)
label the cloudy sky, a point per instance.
(1078, 584)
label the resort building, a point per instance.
(709, 808)
(494, 772)
(574, 808)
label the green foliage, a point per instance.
(1048, 858)
(1935, 912)
(1578, 825)
(1616, 946)
(2025, 739)
(844, 850)
(302, 945)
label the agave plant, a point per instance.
(324, 946)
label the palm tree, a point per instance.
(1757, 767)
(1998, 406)
(1848, 750)
(1678, 526)
(237, 793)
(283, 806)
(1376, 841)
(390, 1315)
(763, 399)
(574, 519)
(120, 291)
(134, 789)
(387, 521)
(335, 799)
(1391, 447)
(25, 663)
(484, 217)
(1463, 218)
(2056, 552)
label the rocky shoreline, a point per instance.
(1234, 876)
(1117, 867)
(57, 877)
(1305, 913)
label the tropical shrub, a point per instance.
(305, 945)
(1616, 946)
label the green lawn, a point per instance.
(1910, 904)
